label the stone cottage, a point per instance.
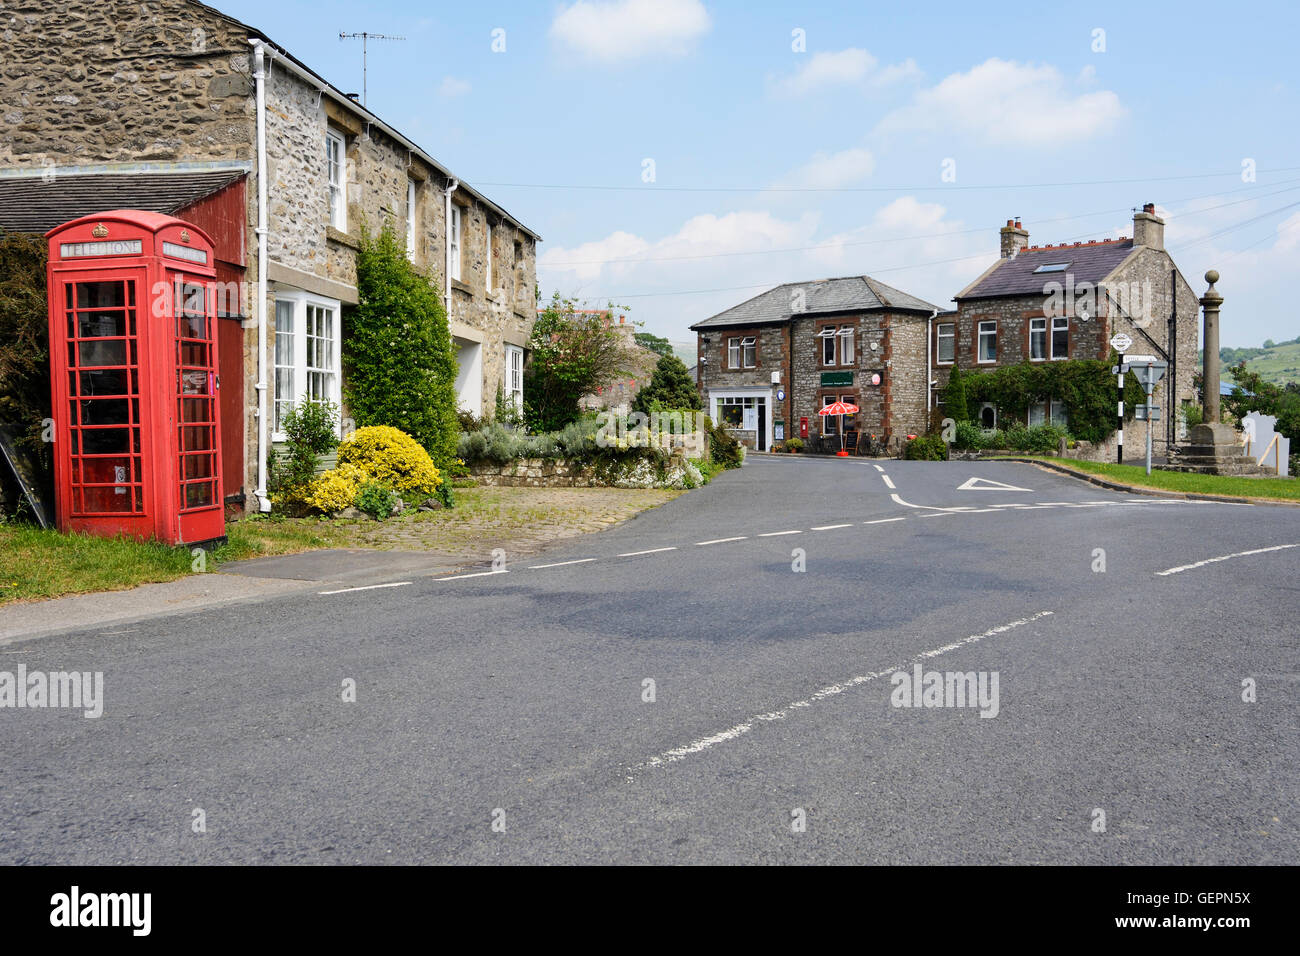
(767, 365)
(172, 106)
(1057, 302)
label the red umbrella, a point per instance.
(841, 409)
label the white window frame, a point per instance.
(336, 179)
(410, 220)
(1057, 413)
(1039, 410)
(301, 301)
(733, 352)
(828, 335)
(283, 360)
(749, 351)
(940, 335)
(1060, 323)
(846, 345)
(981, 332)
(514, 378)
(1038, 326)
(454, 229)
(487, 269)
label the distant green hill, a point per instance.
(686, 351)
(1279, 364)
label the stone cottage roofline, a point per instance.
(820, 296)
(1093, 261)
(342, 99)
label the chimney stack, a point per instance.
(1148, 228)
(1014, 238)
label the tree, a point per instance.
(24, 339)
(572, 353)
(399, 366)
(655, 343)
(670, 386)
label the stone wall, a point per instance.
(122, 82)
(535, 473)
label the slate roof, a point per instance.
(848, 294)
(1087, 262)
(33, 204)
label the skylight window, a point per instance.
(1053, 267)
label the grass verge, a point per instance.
(1277, 489)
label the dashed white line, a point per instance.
(1224, 557)
(777, 534)
(831, 527)
(878, 468)
(731, 733)
(559, 564)
(476, 574)
(699, 544)
(633, 554)
(888, 484)
(884, 520)
(368, 587)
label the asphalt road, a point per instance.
(518, 697)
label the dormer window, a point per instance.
(1053, 267)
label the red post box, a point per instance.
(134, 378)
(803, 428)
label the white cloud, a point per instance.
(1011, 104)
(621, 29)
(848, 67)
(451, 87)
(831, 170)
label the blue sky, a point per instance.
(1032, 106)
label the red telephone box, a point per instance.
(133, 362)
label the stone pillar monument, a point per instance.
(1211, 302)
(1212, 447)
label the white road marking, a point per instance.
(731, 733)
(476, 574)
(884, 520)
(938, 514)
(988, 484)
(633, 554)
(776, 534)
(1225, 557)
(831, 527)
(720, 540)
(888, 484)
(907, 504)
(368, 587)
(559, 564)
(878, 468)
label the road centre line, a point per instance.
(1224, 557)
(731, 733)
(831, 527)
(368, 587)
(777, 534)
(885, 520)
(888, 484)
(476, 574)
(633, 554)
(559, 564)
(721, 540)
(878, 468)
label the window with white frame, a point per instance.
(306, 353)
(988, 341)
(831, 423)
(514, 386)
(336, 177)
(737, 411)
(946, 343)
(1038, 339)
(742, 351)
(837, 344)
(487, 269)
(1059, 415)
(1037, 413)
(410, 219)
(1060, 338)
(454, 233)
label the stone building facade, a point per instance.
(169, 87)
(1059, 302)
(769, 364)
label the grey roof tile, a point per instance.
(1085, 262)
(847, 294)
(34, 204)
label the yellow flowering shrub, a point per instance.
(391, 456)
(336, 489)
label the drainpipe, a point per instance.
(259, 78)
(929, 365)
(446, 291)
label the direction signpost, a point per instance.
(1121, 343)
(1149, 370)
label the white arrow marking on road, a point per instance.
(987, 484)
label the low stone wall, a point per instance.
(535, 473)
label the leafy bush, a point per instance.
(392, 457)
(1194, 415)
(723, 447)
(335, 490)
(926, 448)
(399, 366)
(968, 436)
(24, 341)
(376, 499)
(670, 387)
(309, 433)
(794, 444)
